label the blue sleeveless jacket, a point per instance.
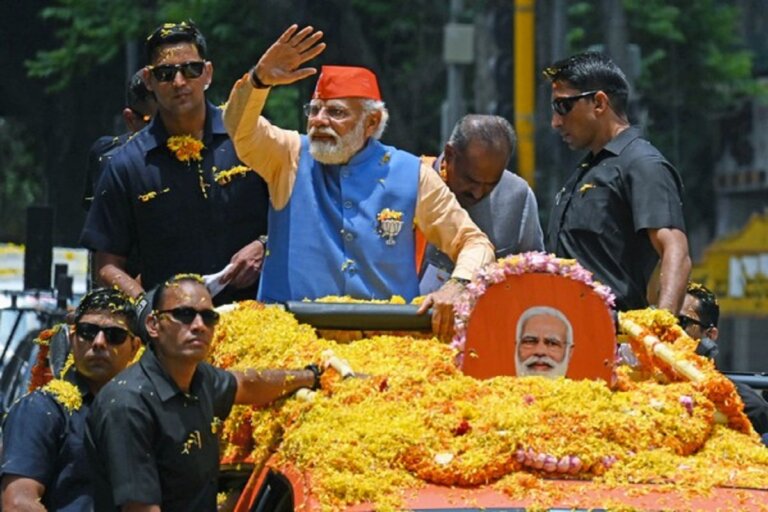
(328, 240)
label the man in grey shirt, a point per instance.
(473, 164)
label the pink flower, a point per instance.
(687, 402)
(498, 271)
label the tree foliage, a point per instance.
(695, 68)
(78, 50)
(693, 62)
(20, 179)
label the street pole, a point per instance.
(524, 86)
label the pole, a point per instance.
(524, 84)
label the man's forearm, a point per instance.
(21, 494)
(262, 387)
(110, 271)
(671, 244)
(270, 151)
(675, 269)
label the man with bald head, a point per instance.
(544, 343)
(503, 206)
(343, 206)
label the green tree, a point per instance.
(21, 181)
(695, 69)
(77, 50)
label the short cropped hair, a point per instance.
(157, 297)
(370, 106)
(137, 94)
(486, 128)
(709, 308)
(548, 311)
(107, 300)
(171, 33)
(592, 71)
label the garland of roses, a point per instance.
(525, 263)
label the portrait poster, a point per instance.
(495, 323)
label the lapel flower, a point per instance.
(387, 214)
(185, 147)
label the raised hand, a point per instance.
(281, 63)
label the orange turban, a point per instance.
(346, 82)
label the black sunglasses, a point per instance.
(167, 72)
(565, 104)
(187, 315)
(686, 321)
(113, 335)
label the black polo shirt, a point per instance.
(43, 440)
(151, 443)
(600, 216)
(175, 214)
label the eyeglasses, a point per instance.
(333, 112)
(686, 321)
(187, 315)
(562, 106)
(113, 335)
(167, 72)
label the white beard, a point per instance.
(341, 150)
(557, 369)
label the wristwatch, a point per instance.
(317, 371)
(257, 83)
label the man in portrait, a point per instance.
(544, 339)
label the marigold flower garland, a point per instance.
(41, 371)
(42, 378)
(662, 325)
(416, 418)
(65, 393)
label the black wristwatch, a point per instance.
(318, 372)
(257, 83)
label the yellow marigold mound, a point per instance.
(415, 418)
(65, 393)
